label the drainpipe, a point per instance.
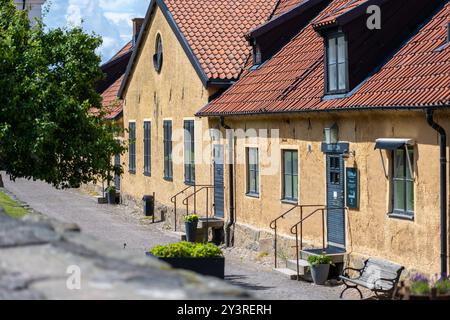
(443, 173)
(231, 219)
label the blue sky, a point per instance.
(111, 19)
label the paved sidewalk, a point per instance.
(123, 226)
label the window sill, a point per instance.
(289, 201)
(147, 174)
(252, 195)
(189, 183)
(401, 216)
(132, 171)
(168, 179)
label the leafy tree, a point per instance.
(47, 87)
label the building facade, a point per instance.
(34, 7)
(184, 58)
(341, 131)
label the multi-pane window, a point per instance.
(189, 152)
(336, 64)
(335, 170)
(168, 167)
(147, 147)
(132, 147)
(252, 171)
(290, 175)
(403, 182)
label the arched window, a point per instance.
(158, 56)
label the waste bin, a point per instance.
(149, 205)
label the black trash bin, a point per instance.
(149, 205)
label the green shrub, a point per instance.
(186, 250)
(420, 288)
(322, 259)
(191, 218)
(442, 286)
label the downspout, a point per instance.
(231, 218)
(443, 174)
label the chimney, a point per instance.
(137, 25)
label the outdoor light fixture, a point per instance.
(331, 134)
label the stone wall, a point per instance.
(35, 255)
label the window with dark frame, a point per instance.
(168, 166)
(336, 64)
(189, 152)
(252, 172)
(147, 147)
(132, 147)
(403, 182)
(158, 55)
(290, 175)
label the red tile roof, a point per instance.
(126, 49)
(293, 80)
(330, 18)
(215, 31)
(111, 104)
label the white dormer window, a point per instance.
(337, 64)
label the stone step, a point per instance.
(210, 222)
(336, 257)
(303, 265)
(290, 274)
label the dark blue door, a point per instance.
(117, 176)
(335, 201)
(218, 181)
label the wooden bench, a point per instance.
(379, 276)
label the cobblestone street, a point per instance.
(126, 228)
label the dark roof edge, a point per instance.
(201, 73)
(118, 59)
(347, 109)
(279, 19)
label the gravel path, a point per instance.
(124, 226)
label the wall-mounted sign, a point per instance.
(352, 187)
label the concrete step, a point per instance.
(210, 222)
(336, 257)
(303, 265)
(290, 274)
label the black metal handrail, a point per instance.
(294, 230)
(174, 201)
(273, 223)
(186, 203)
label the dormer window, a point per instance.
(257, 58)
(336, 66)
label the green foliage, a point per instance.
(420, 288)
(322, 259)
(47, 89)
(442, 286)
(110, 189)
(11, 207)
(186, 250)
(191, 218)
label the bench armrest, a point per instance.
(345, 271)
(393, 281)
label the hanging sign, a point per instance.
(352, 188)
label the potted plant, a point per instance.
(190, 223)
(420, 287)
(206, 259)
(111, 194)
(320, 268)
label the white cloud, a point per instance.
(111, 19)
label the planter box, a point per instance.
(214, 267)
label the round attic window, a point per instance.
(158, 56)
